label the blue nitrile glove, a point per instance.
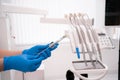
(22, 62)
(47, 51)
(38, 49)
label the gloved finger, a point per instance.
(35, 66)
(54, 46)
(38, 48)
(35, 49)
(46, 53)
(37, 60)
(43, 46)
(31, 57)
(43, 55)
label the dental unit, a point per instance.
(84, 37)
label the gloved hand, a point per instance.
(30, 59)
(40, 49)
(22, 62)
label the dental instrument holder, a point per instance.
(93, 66)
(79, 69)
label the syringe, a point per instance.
(53, 43)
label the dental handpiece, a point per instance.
(53, 43)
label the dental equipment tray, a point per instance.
(80, 65)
